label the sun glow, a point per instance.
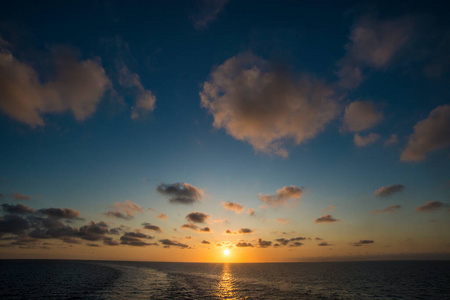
(226, 252)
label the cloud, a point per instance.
(324, 244)
(240, 231)
(168, 243)
(373, 43)
(393, 140)
(282, 220)
(282, 241)
(362, 141)
(20, 197)
(206, 242)
(389, 209)
(17, 209)
(362, 242)
(162, 216)
(118, 214)
(70, 240)
(329, 208)
(250, 212)
(110, 242)
(92, 245)
(124, 210)
(236, 207)
(195, 227)
(243, 245)
(430, 134)
(181, 193)
(208, 11)
(264, 244)
(257, 103)
(361, 115)
(152, 227)
(296, 244)
(431, 206)
(78, 87)
(60, 213)
(145, 100)
(326, 219)
(287, 195)
(388, 190)
(135, 239)
(13, 224)
(197, 217)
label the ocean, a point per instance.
(58, 279)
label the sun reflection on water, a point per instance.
(225, 287)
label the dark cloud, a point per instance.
(388, 190)
(60, 213)
(181, 193)
(13, 224)
(295, 244)
(17, 209)
(323, 244)
(93, 245)
(135, 239)
(264, 244)
(206, 242)
(326, 219)
(93, 231)
(236, 207)
(205, 229)
(167, 242)
(287, 195)
(389, 209)
(256, 102)
(430, 134)
(20, 197)
(362, 242)
(110, 242)
(70, 240)
(431, 206)
(197, 217)
(240, 231)
(195, 227)
(118, 214)
(282, 241)
(318, 239)
(152, 227)
(243, 245)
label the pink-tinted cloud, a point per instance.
(257, 103)
(20, 197)
(162, 216)
(329, 208)
(327, 218)
(124, 210)
(388, 190)
(78, 87)
(362, 141)
(287, 195)
(361, 115)
(431, 206)
(430, 134)
(389, 209)
(393, 140)
(236, 207)
(373, 43)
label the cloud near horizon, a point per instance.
(431, 206)
(124, 210)
(77, 87)
(257, 103)
(287, 195)
(430, 134)
(389, 209)
(181, 193)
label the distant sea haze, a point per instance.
(58, 279)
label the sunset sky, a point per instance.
(173, 130)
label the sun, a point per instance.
(226, 252)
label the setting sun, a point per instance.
(226, 252)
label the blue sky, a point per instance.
(237, 99)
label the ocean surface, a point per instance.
(44, 279)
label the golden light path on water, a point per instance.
(225, 287)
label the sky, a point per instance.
(282, 131)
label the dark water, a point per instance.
(141, 280)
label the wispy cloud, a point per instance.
(240, 231)
(124, 210)
(389, 209)
(388, 190)
(327, 218)
(208, 11)
(362, 141)
(20, 197)
(236, 207)
(362, 243)
(431, 206)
